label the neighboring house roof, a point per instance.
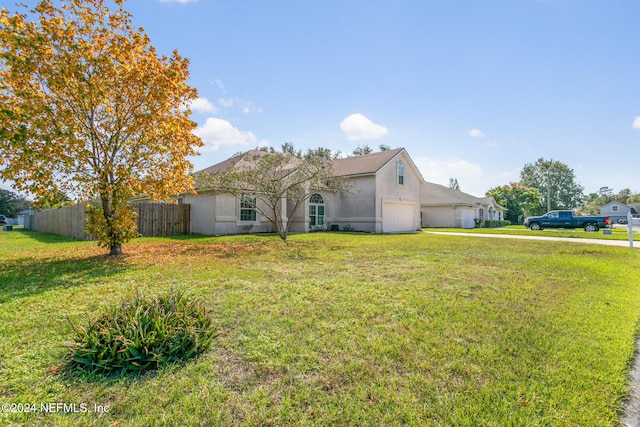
(615, 202)
(438, 195)
(633, 207)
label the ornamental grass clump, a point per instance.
(143, 334)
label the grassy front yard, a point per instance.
(334, 329)
(617, 233)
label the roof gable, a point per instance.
(364, 165)
(615, 202)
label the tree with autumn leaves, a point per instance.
(89, 109)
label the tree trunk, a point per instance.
(115, 250)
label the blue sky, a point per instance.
(473, 89)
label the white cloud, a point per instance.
(244, 105)
(220, 84)
(216, 133)
(250, 108)
(636, 122)
(357, 126)
(476, 133)
(470, 175)
(203, 105)
(226, 102)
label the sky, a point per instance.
(472, 89)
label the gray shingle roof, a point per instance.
(438, 195)
(357, 165)
(364, 165)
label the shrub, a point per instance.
(496, 223)
(143, 334)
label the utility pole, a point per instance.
(548, 192)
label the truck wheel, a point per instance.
(591, 227)
(535, 226)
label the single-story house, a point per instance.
(618, 211)
(385, 197)
(445, 207)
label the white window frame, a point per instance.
(314, 209)
(615, 208)
(400, 174)
(241, 208)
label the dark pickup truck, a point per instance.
(566, 219)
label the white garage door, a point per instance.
(398, 217)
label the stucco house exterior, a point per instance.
(385, 197)
(618, 211)
(445, 207)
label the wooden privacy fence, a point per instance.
(162, 219)
(69, 221)
(154, 219)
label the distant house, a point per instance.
(385, 198)
(442, 206)
(617, 211)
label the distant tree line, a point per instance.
(322, 152)
(11, 204)
(548, 185)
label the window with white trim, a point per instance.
(615, 208)
(316, 211)
(400, 175)
(247, 209)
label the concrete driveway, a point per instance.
(622, 243)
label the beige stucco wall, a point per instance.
(388, 189)
(362, 208)
(356, 208)
(218, 214)
(202, 213)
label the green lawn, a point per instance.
(617, 233)
(334, 329)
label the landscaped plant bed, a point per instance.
(334, 329)
(141, 334)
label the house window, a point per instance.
(316, 211)
(400, 175)
(247, 208)
(615, 208)
(481, 213)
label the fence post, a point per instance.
(630, 226)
